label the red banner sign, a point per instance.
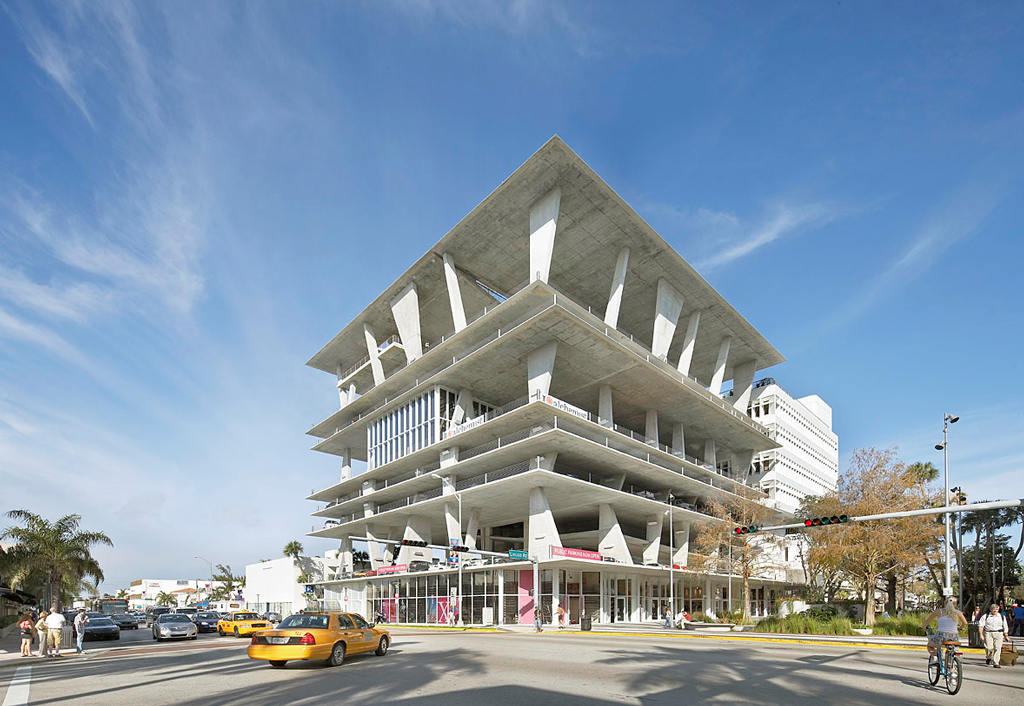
(400, 568)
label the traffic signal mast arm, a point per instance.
(994, 505)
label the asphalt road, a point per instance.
(431, 668)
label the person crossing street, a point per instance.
(993, 627)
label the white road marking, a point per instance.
(17, 692)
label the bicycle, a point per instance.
(949, 663)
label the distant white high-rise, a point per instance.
(807, 463)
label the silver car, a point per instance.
(170, 626)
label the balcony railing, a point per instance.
(387, 343)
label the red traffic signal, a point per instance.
(833, 520)
(413, 543)
(746, 530)
(458, 548)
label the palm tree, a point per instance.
(56, 556)
(293, 549)
(167, 599)
(122, 593)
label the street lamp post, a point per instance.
(947, 419)
(458, 497)
(671, 562)
(209, 593)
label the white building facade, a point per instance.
(142, 593)
(280, 585)
(546, 380)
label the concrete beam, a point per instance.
(374, 548)
(345, 558)
(686, 356)
(451, 521)
(449, 456)
(405, 307)
(374, 352)
(541, 531)
(472, 526)
(543, 223)
(615, 482)
(740, 462)
(651, 428)
(710, 457)
(451, 277)
(463, 406)
(666, 315)
(611, 312)
(611, 541)
(743, 384)
(655, 523)
(417, 527)
(681, 543)
(604, 407)
(540, 364)
(723, 358)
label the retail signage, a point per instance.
(566, 407)
(570, 553)
(465, 426)
(518, 554)
(399, 568)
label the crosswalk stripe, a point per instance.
(17, 692)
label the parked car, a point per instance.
(125, 621)
(206, 620)
(419, 566)
(102, 628)
(272, 617)
(155, 612)
(169, 626)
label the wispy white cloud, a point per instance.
(56, 60)
(75, 301)
(14, 328)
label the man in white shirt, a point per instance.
(81, 620)
(993, 627)
(55, 629)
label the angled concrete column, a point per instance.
(604, 407)
(543, 223)
(739, 463)
(369, 487)
(666, 315)
(405, 307)
(723, 358)
(681, 543)
(416, 527)
(375, 548)
(451, 522)
(651, 427)
(615, 482)
(346, 464)
(451, 277)
(655, 524)
(342, 392)
(686, 356)
(540, 363)
(374, 352)
(463, 406)
(742, 384)
(678, 440)
(449, 456)
(345, 559)
(611, 312)
(541, 531)
(391, 549)
(472, 526)
(547, 461)
(709, 453)
(611, 541)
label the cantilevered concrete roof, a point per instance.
(491, 246)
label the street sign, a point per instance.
(518, 554)
(309, 589)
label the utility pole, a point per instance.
(947, 419)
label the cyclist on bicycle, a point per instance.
(949, 618)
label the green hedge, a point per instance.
(803, 624)
(906, 624)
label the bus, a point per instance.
(111, 606)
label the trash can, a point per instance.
(974, 636)
(585, 623)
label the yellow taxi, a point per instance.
(327, 636)
(241, 623)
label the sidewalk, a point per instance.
(10, 652)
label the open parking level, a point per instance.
(426, 667)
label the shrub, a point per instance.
(823, 612)
(703, 618)
(804, 624)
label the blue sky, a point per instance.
(188, 192)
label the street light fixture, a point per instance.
(947, 419)
(458, 497)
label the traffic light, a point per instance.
(413, 543)
(746, 530)
(961, 498)
(957, 496)
(458, 548)
(829, 520)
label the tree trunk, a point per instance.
(746, 596)
(890, 593)
(869, 600)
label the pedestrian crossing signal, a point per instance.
(828, 520)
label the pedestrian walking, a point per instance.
(976, 615)
(1018, 620)
(81, 620)
(55, 631)
(538, 618)
(561, 616)
(40, 630)
(668, 617)
(993, 626)
(25, 626)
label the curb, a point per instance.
(783, 640)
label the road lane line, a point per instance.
(17, 692)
